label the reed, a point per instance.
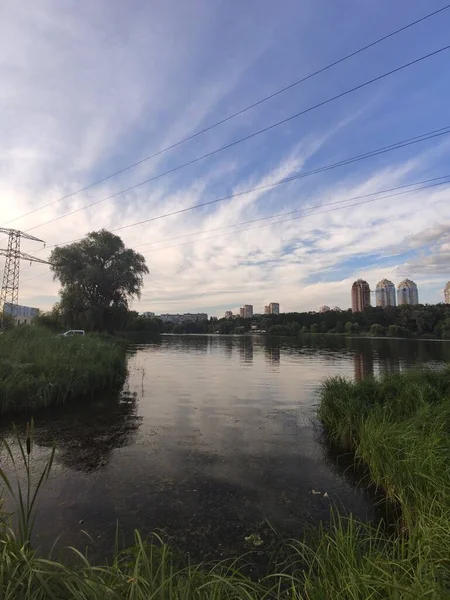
(38, 368)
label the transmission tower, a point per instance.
(10, 286)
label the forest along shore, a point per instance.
(396, 426)
(38, 368)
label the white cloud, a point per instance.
(87, 89)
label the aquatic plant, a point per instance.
(38, 368)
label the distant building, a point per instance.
(242, 312)
(185, 318)
(274, 308)
(407, 292)
(148, 315)
(447, 293)
(228, 314)
(248, 311)
(336, 309)
(360, 295)
(23, 315)
(267, 310)
(385, 293)
(324, 309)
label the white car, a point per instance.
(72, 332)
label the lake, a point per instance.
(213, 438)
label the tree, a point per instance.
(377, 330)
(99, 277)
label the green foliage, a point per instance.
(99, 276)
(38, 368)
(398, 427)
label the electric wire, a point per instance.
(250, 136)
(240, 112)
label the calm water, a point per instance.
(212, 439)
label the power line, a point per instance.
(291, 212)
(308, 215)
(391, 147)
(250, 136)
(240, 112)
(431, 183)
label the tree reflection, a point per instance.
(86, 432)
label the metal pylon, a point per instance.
(9, 296)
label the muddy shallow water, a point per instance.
(211, 440)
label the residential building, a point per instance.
(23, 315)
(242, 312)
(407, 292)
(447, 293)
(186, 317)
(274, 308)
(324, 308)
(385, 293)
(360, 295)
(228, 314)
(267, 310)
(248, 311)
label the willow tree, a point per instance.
(99, 277)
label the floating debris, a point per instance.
(254, 539)
(315, 492)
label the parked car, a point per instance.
(72, 332)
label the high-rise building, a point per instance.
(242, 312)
(360, 295)
(248, 311)
(447, 293)
(385, 293)
(407, 292)
(274, 308)
(324, 308)
(267, 310)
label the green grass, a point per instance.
(38, 368)
(398, 427)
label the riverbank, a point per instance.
(398, 427)
(37, 368)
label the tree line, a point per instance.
(425, 320)
(99, 277)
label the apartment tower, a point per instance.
(407, 292)
(385, 293)
(360, 295)
(447, 293)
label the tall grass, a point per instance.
(38, 368)
(399, 428)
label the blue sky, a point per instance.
(87, 90)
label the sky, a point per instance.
(88, 89)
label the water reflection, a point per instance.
(86, 433)
(363, 361)
(246, 350)
(211, 438)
